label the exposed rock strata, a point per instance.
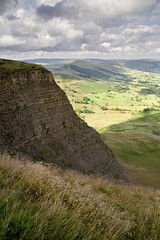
(37, 119)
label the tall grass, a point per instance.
(41, 202)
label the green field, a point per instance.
(112, 102)
(125, 110)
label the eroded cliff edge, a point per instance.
(37, 119)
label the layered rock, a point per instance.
(37, 119)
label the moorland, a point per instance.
(39, 201)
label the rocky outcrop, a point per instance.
(37, 119)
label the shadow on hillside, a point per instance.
(147, 122)
(148, 91)
(136, 145)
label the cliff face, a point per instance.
(37, 119)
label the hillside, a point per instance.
(136, 145)
(37, 120)
(91, 70)
(126, 113)
(146, 65)
(40, 202)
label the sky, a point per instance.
(107, 29)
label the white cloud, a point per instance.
(20, 13)
(158, 50)
(84, 27)
(83, 46)
(63, 28)
(47, 2)
(105, 44)
(8, 40)
(114, 8)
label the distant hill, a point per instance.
(112, 65)
(92, 70)
(146, 65)
(110, 70)
(141, 65)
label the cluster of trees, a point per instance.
(121, 89)
(104, 108)
(85, 100)
(145, 110)
(120, 109)
(84, 111)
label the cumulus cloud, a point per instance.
(7, 41)
(96, 11)
(83, 27)
(64, 29)
(47, 2)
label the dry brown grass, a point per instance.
(101, 209)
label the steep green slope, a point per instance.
(40, 202)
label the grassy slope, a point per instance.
(39, 202)
(137, 145)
